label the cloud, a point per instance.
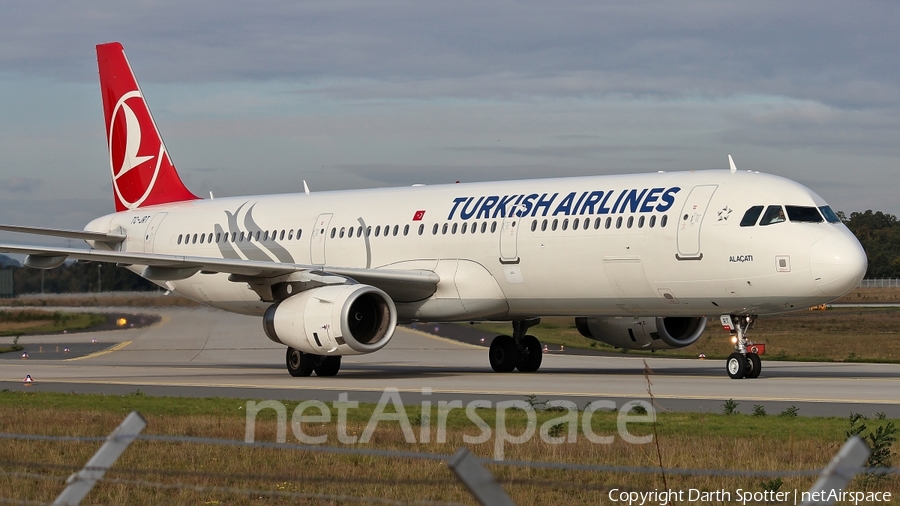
(839, 53)
(21, 184)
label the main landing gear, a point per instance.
(521, 351)
(301, 364)
(745, 361)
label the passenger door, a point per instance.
(691, 220)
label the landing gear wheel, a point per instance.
(328, 366)
(299, 364)
(504, 354)
(754, 365)
(531, 361)
(736, 365)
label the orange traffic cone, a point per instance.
(28, 381)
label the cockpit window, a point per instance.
(830, 216)
(804, 214)
(751, 216)
(773, 214)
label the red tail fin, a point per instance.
(142, 173)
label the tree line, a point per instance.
(879, 234)
(76, 277)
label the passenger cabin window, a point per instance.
(773, 214)
(830, 216)
(804, 214)
(751, 216)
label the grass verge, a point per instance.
(106, 299)
(686, 440)
(30, 321)
(833, 335)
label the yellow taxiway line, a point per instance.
(101, 352)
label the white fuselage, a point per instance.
(664, 244)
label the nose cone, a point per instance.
(838, 262)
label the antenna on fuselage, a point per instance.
(305, 187)
(731, 164)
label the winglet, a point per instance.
(731, 164)
(305, 187)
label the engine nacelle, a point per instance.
(333, 320)
(651, 333)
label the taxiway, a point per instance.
(204, 353)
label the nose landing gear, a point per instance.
(745, 361)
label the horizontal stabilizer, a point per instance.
(110, 238)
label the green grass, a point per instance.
(25, 322)
(671, 424)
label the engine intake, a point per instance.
(337, 319)
(653, 333)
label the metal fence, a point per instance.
(469, 470)
(880, 283)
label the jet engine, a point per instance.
(653, 333)
(333, 320)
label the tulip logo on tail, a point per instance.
(134, 175)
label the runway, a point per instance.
(206, 353)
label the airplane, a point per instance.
(639, 261)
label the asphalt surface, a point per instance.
(204, 353)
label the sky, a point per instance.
(253, 98)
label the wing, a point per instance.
(400, 285)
